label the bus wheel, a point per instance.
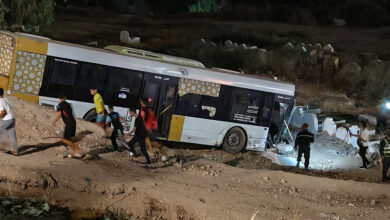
(90, 115)
(234, 141)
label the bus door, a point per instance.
(161, 92)
(282, 109)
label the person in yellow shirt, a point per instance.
(100, 109)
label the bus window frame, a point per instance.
(48, 73)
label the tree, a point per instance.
(27, 12)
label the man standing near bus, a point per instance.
(7, 122)
(64, 110)
(99, 106)
(303, 141)
(139, 136)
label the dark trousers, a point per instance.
(306, 151)
(141, 142)
(113, 137)
(362, 153)
(386, 165)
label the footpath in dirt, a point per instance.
(191, 184)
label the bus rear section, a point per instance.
(231, 117)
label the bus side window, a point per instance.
(91, 75)
(245, 106)
(189, 104)
(62, 78)
(123, 87)
(265, 114)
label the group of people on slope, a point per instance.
(144, 124)
(305, 138)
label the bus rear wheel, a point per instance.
(234, 141)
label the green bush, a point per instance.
(3, 12)
(204, 6)
(29, 12)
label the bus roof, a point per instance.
(154, 56)
(131, 61)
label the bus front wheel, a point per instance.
(234, 141)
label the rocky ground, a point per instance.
(193, 183)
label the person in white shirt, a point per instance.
(7, 122)
(363, 144)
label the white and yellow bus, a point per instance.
(193, 104)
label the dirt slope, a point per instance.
(34, 126)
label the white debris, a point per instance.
(342, 134)
(228, 43)
(329, 127)
(125, 38)
(353, 140)
(301, 116)
(289, 45)
(284, 148)
(329, 48)
(92, 43)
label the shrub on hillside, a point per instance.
(29, 12)
(204, 6)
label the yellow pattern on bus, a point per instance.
(28, 75)
(6, 54)
(198, 87)
(176, 128)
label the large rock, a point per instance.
(299, 117)
(329, 126)
(352, 67)
(125, 38)
(329, 48)
(353, 140)
(343, 134)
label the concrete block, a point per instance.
(353, 140)
(299, 117)
(125, 38)
(342, 134)
(329, 127)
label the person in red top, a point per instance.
(64, 110)
(150, 122)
